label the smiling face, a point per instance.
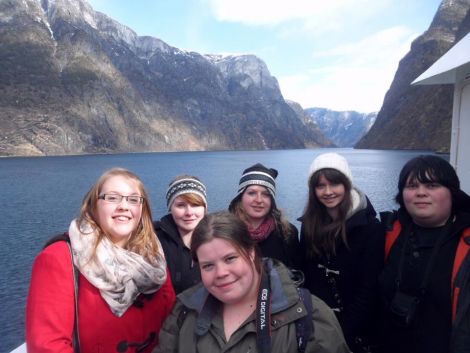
(119, 220)
(225, 273)
(329, 194)
(256, 202)
(429, 204)
(186, 214)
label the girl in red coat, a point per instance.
(124, 293)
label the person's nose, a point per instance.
(189, 210)
(258, 197)
(124, 204)
(328, 190)
(421, 190)
(221, 270)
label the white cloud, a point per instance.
(273, 12)
(350, 76)
(332, 93)
(379, 45)
(354, 76)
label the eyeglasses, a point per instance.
(115, 198)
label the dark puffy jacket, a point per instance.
(179, 332)
(432, 329)
(356, 269)
(284, 248)
(460, 337)
(184, 272)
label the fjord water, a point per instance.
(41, 195)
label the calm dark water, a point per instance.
(40, 197)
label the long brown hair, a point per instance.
(143, 240)
(320, 230)
(226, 226)
(281, 223)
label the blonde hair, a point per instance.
(193, 199)
(143, 239)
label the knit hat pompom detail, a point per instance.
(331, 160)
(185, 186)
(258, 174)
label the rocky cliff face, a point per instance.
(343, 128)
(419, 117)
(320, 135)
(74, 81)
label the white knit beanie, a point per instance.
(331, 160)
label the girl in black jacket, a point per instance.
(342, 244)
(255, 205)
(187, 205)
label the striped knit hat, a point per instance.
(258, 174)
(185, 185)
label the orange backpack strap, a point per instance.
(391, 236)
(463, 251)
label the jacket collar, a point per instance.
(169, 229)
(460, 221)
(361, 211)
(283, 295)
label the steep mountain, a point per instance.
(74, 81)
(343, 128)
(320, 135)
(419, 117)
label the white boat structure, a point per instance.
(454, 68)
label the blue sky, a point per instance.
(337, 54)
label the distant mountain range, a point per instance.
(344, 129)
(74, 81)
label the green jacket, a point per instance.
(199, 331)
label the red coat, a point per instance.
(50, 310)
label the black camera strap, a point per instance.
(427, 275)
(263, 316)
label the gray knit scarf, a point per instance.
(119, 274)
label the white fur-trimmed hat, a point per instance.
(331, 160)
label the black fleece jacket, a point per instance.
(184, 272)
